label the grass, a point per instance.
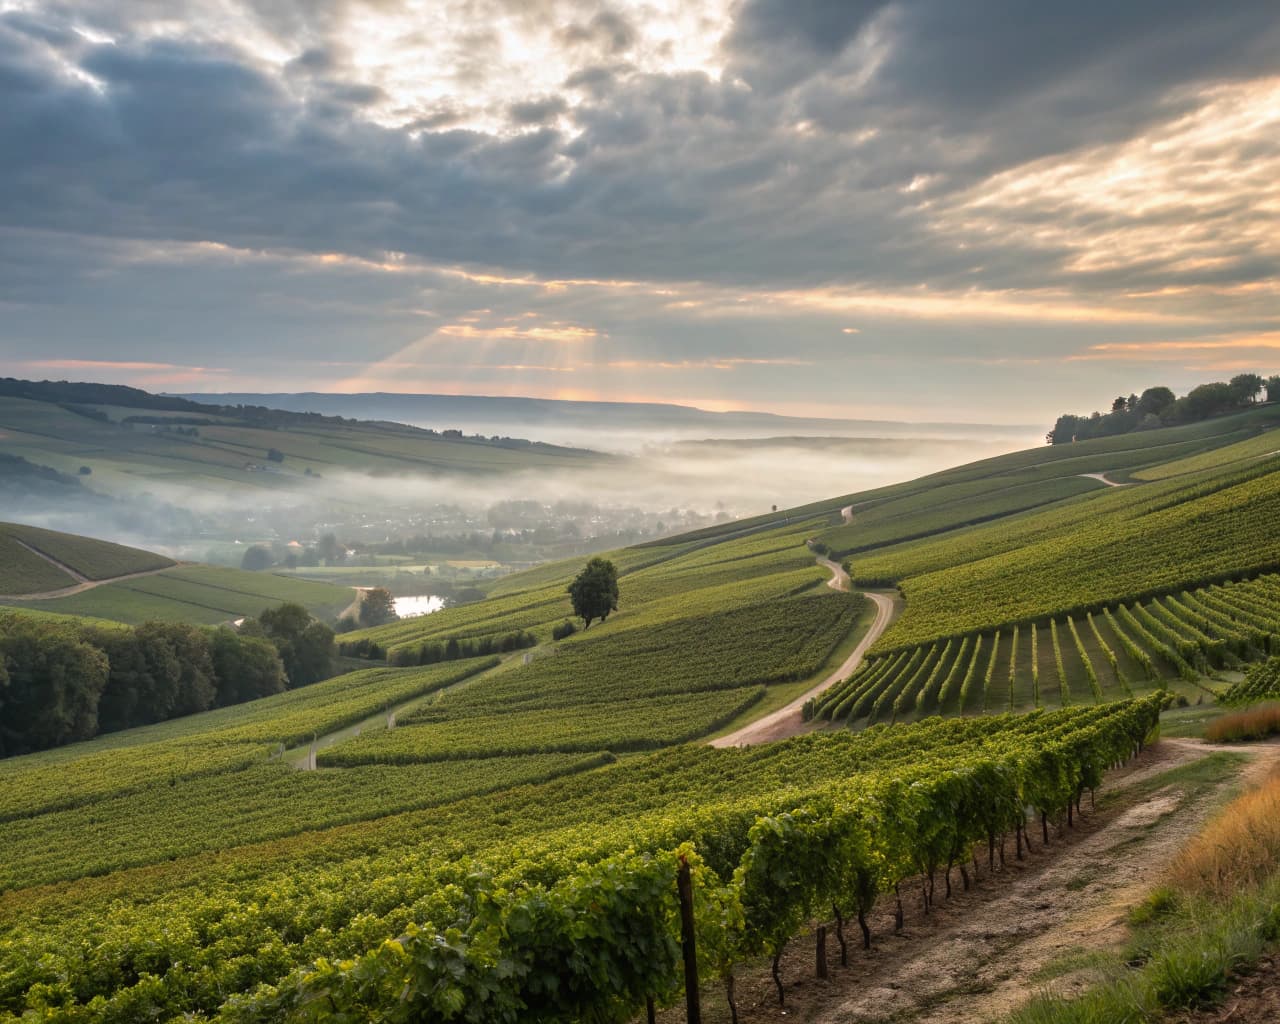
(1194, 779)
(1239, 849)
(1215, 914)
(1190, 721)
(1251, 724)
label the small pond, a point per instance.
(419, 604)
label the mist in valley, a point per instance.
(650, 485)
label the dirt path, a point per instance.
(1103, 477)
(976, 957)
(789, 720)
(82, 583)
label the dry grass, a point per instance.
(1254, 724)
(1240, 848)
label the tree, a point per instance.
(245, 667)
(1245, 388)
(306, 645)
(256, 559)
(275, 455)
(1155, 401)
(594, 592)
(377, 607)
(1273, 389)
(1207, 400)
(1121, 404)
(50, 683)
(329, 550)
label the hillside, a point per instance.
(129, 439)
(1066, 582)
(485, 413)
(44, 570)
(36, 560)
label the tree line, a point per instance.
(1160, 407)
(63, 680)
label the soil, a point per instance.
(983, 952)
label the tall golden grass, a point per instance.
(1239, 849)
(1254, 724)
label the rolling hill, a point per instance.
(473, 826)
(129, 440)
(44, 570)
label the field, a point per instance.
(228, 449)
(22, 571)
(199, 594)
(91, 559)
(1173, 642)
(483, 806)
(152, 587)
(733, 789)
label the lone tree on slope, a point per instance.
(594, 591)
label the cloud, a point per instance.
(553, 332)
(91, 365)
(1245, 346)
(697, 183)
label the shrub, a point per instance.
(566, 628)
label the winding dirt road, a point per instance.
(789, 720)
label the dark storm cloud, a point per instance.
(808, 162)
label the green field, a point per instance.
(92, 559)
(199, 594)
(266, 907)
(22, 571)
(1176, 642)
(173, 869)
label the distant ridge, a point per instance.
(429, 409)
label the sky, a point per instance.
(987, 211)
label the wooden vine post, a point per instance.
(684, 885)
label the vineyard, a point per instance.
(228, 739)
(1166, 642)
(948, 508)
(499, 837)
(640, 724)
(414, 930)
(24, 572)
(667, 582)
(660, 680)
(93, 559)
(1147, 544)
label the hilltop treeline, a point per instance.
(63, 680)
(1160, 407)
